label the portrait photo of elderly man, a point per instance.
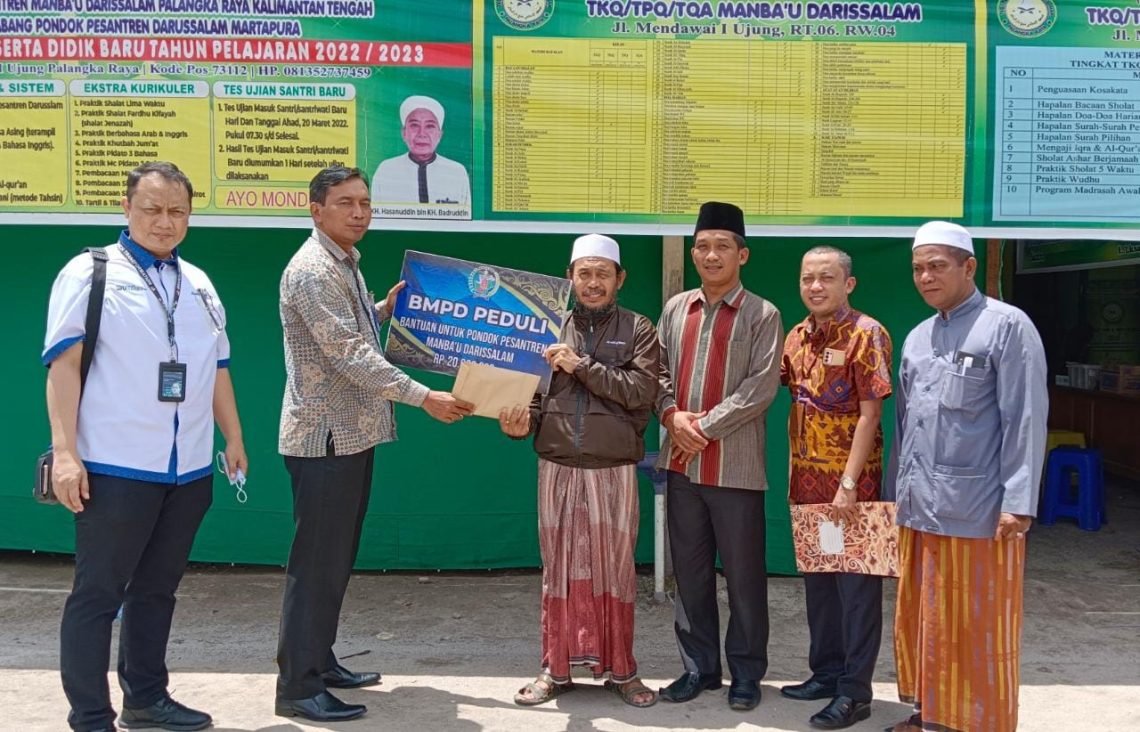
(421, 175)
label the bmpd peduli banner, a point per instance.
(452, 311)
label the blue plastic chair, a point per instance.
(1088, 505)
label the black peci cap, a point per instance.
(717, 215)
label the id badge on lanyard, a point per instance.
(172, 373)
(171, 381)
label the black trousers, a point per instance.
(330, 498)
(705, 520)
(845, 617)
(132, 541)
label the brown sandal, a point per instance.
(629, 693)
(541, 690)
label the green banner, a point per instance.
(249, 97)
(1065, 90)
(802, 113)
(1057, 256)
(1018, 117)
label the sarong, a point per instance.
(958, 630)
(587, 529)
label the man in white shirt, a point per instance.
(421, 176)
(134, 459)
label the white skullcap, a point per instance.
(413, 103)
(595, 245)
(944, 233)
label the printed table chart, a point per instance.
(1068, 144)
(795, 128)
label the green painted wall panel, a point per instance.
(460, 496)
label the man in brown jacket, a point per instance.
(588, 435)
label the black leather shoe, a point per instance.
(341, 678)
(843, 711)
(688, 685)
(809, 690)
(323, 707)
(913, 722)
(743, 694)
(165, 714)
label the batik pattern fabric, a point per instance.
(337, 381)
(587, 526)
(958, 630)
(870, 542)
(829, 369)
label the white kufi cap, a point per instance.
(944, 233)
(413, 103)
(595, 245)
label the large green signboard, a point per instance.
(1020, 117)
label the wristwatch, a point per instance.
(846, 483)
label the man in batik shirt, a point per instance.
(837, 364)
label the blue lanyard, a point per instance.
(168, 311)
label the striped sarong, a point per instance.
(958, 630)
(587, 529)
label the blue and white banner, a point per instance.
(452, 311)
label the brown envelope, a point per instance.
(491, 389)
(869, 546)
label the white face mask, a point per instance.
(237, 481)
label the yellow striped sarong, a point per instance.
(958, 630)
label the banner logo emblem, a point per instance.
(1027, 18)
(483, 282)
(524, 14)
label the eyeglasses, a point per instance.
(207, 302)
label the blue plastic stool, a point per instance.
(1088, 505)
